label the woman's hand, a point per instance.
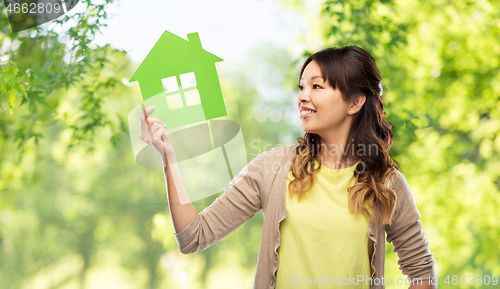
(154, 134)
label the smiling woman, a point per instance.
(341, 106)
(343, 89)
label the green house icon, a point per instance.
(180, 79)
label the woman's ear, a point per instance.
(357, 103)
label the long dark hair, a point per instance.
(354, 72)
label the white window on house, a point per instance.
(188, 80)
(174, 101)
(192, 97)
(191, 94)
(170, 84)
(185, 94)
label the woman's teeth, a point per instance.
(304, 112)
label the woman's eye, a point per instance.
(314, 86)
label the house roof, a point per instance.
(173, 55)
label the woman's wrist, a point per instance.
(169, 159)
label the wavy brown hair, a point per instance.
(354, 72)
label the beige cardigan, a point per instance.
(262, 185)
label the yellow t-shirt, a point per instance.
(322, 243)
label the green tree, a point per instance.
(39, 64)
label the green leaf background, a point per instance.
(76, 211)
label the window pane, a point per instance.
(174, 101)
(188, 80)
(192, 97)
(170, 83)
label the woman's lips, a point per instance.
(307, 115)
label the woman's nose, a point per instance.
(304, 96)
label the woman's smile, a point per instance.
(306, 113)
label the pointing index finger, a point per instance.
(145, 113)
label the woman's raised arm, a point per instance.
(154, 134)
(197, 231)
(235, 206)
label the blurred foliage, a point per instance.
(37, 64)
(76, 211)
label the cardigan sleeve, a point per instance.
(407, 235)
(235, 206)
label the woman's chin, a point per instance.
(308, 130)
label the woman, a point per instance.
(312, 193)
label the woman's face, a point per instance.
(316, 94)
